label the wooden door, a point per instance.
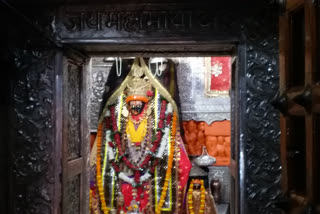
(75, 137)
(300, 118)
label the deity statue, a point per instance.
(140, 161)
(200, 201)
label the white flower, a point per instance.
(169, 108)
(216, 69)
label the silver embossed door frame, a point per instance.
(73, 139)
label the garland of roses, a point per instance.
(151, 154)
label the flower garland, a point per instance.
(170, 161)
(108, 139)
(159, 154)
(138, 179)
(104, 207)
(90, 199)
(93, 202)
(202, 197)
(163, 144)
(127, 179)
(155, 143)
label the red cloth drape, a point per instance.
(220, 73)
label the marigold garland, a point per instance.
(202, 197)
(104, 207)
(90, 200)
(170, 161)
(156, 143)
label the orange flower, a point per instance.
(202, 196)
(170, 161)
(98, 176)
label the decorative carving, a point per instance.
(193, 143)
(73, 195)
(75, 182)
(33, 132)
(72, 97)
(262, 120)
(219, 147)
(216, 138)
(99, 75)
(195, 105)
(207, 117)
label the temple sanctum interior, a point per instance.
(201, 88)
(160, 107)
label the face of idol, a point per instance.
(136, 107)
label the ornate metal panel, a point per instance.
(33, 132)
(75, 141)
(73, 195)
(262, 132)
(195, 105)
(98, 77)
(73, 107)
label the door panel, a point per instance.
(299, 75)
(72, 86)
(75, 142)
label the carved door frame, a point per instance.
(72, 136)
(237, 22)
(135, 27)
